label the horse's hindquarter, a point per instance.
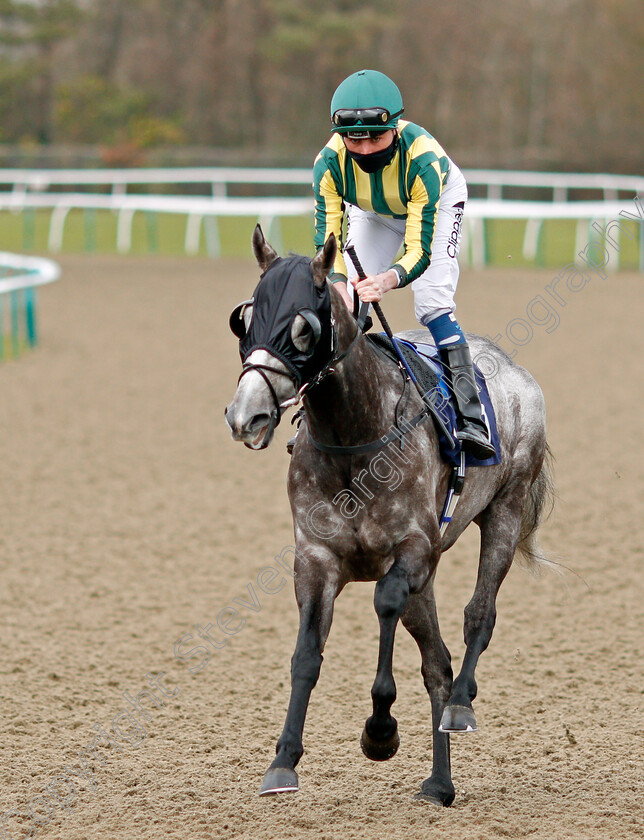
(520, 413)
(518, 403)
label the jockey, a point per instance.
(396, 187)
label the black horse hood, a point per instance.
(285, 290)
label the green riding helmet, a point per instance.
(366, 101)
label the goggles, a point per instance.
(363, 118)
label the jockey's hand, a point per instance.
(373, 287)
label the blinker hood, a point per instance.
(285, 290)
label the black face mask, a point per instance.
(285, 290)
(375, 160)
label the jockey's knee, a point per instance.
(426, 312)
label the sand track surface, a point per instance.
(129, 516)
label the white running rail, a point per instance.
(269, 210)
(26, 272)
(19, 277)
(30, 189)
(560, 183)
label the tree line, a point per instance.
(550, 84)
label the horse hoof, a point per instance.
(429, 799)
(379, 750)
(458, 719)
(279, 780)
(439, 795)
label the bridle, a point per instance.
(327, 370)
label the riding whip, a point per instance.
(351, 251)
(457, 478)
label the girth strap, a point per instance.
(454, 490)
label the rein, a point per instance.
(329, 368)
(351, 251)
(393, 434)
(457, 478)
(374, 445)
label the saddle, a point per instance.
(426, 375)
(424, 363)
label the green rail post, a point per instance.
(15, 323)
(29, 229)
(540, 249)
(211, 232)
(1, 326)
(491, 238)
(89, 228)
(30, 316)
(152, 231)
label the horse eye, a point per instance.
(301, 334)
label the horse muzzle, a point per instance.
(255, 431)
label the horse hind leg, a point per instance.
(421, 621)
(500, 528)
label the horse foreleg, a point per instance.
(422, 623)
(500, 524)
(380, 739)
(316, 591)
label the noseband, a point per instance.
(276, 413)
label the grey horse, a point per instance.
(374, 515)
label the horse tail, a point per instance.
(537, 507)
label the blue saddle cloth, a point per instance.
(439, 397)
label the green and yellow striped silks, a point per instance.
(408, 188)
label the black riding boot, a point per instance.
(472, 430)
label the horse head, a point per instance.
(286, 338)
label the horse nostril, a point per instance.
(230, 417)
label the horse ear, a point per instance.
(322, 262)
(264, 253)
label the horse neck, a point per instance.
(355, 403)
